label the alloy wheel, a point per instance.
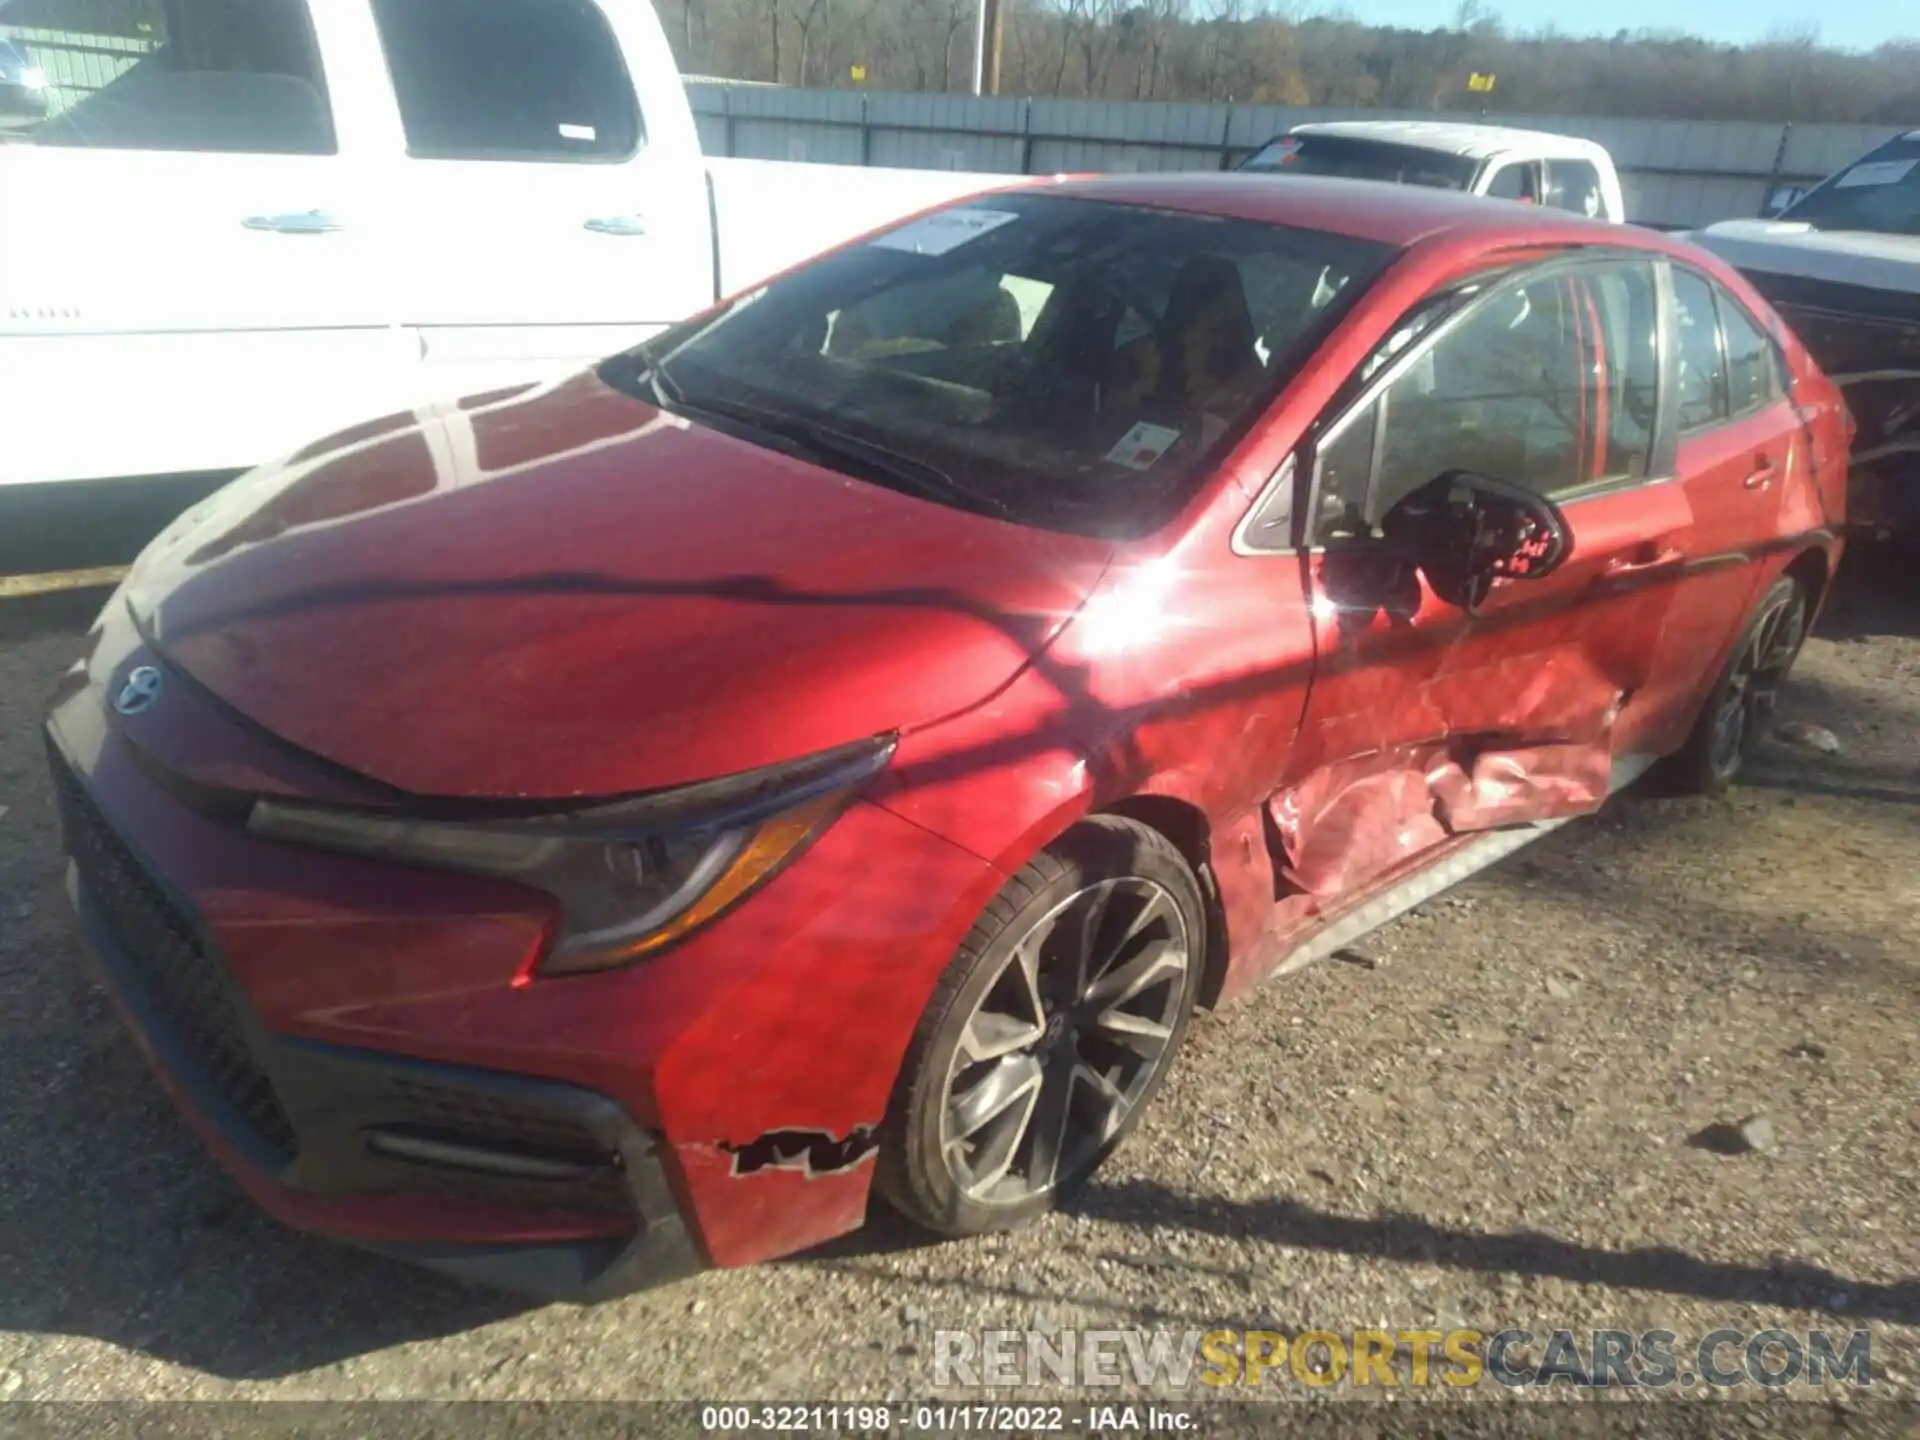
(1065, 1041)
(1753, 682)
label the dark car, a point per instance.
(23, 85)
(622, 825)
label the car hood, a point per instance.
(560, 591)
(1794, 248)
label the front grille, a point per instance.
(500, 1122)
(186, 983)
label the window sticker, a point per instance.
(578, 132)
(1877, 172)
(1142, 446)
(947, 230)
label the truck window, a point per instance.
(1575, 185)
(1352, 158)
(1516, 180)
(241, 76)
(508, 80)
(1878, 193)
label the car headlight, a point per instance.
(631, 877)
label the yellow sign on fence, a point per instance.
(1479, 82)
(858, 72)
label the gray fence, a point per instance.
(1675, 172)
(77, 64)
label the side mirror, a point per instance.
(1464, 531)
(1780, 198)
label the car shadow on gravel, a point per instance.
(1410, 1239)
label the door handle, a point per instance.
(1656, 560)
(618, 225)
(1762, 475)
(302, 222)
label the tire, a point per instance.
(1741, 704)
(1013, 1034)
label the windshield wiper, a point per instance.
(651, 376)
(834, 448)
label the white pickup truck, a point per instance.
(257, 221)
(1534, 167)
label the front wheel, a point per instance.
(1052, 1027)
(1740, 708)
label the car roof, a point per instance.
(1398, 215)
(1478, 142)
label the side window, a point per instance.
(1754, 371)
(1622, 325)
(1702, 366)
(1548, 384)
(235, 76)
(1344, 473)
(1516, 180)
(1575, 185)
(1501, 394)
(508, 80)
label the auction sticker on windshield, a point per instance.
(1877, 172)
(948, 230)
(1142, 446)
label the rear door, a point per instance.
(1548, 379)
(188, 241)
(1739, 440)
(550, 201)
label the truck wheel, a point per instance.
(1738, 711)
(1049, 1032)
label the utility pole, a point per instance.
(979, 46)
(996, 12)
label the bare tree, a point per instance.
(1249, 51)
(815, 13)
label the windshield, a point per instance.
(1356, 159)
(1065, 363)
(1880, 192)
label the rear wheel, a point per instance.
(1056, 1021)
(1740, 708)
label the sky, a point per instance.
(1851, 25)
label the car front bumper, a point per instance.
(371, 1050)
(535, 1186)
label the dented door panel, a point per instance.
(1426, 722)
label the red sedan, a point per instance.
(587, 832)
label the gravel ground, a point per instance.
(1494, 1124)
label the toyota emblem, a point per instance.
(140, 691)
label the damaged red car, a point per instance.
(592, 831)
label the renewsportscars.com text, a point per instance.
(1226, 1359)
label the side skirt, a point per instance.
(1454, 863)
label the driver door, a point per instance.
(1520, 710)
